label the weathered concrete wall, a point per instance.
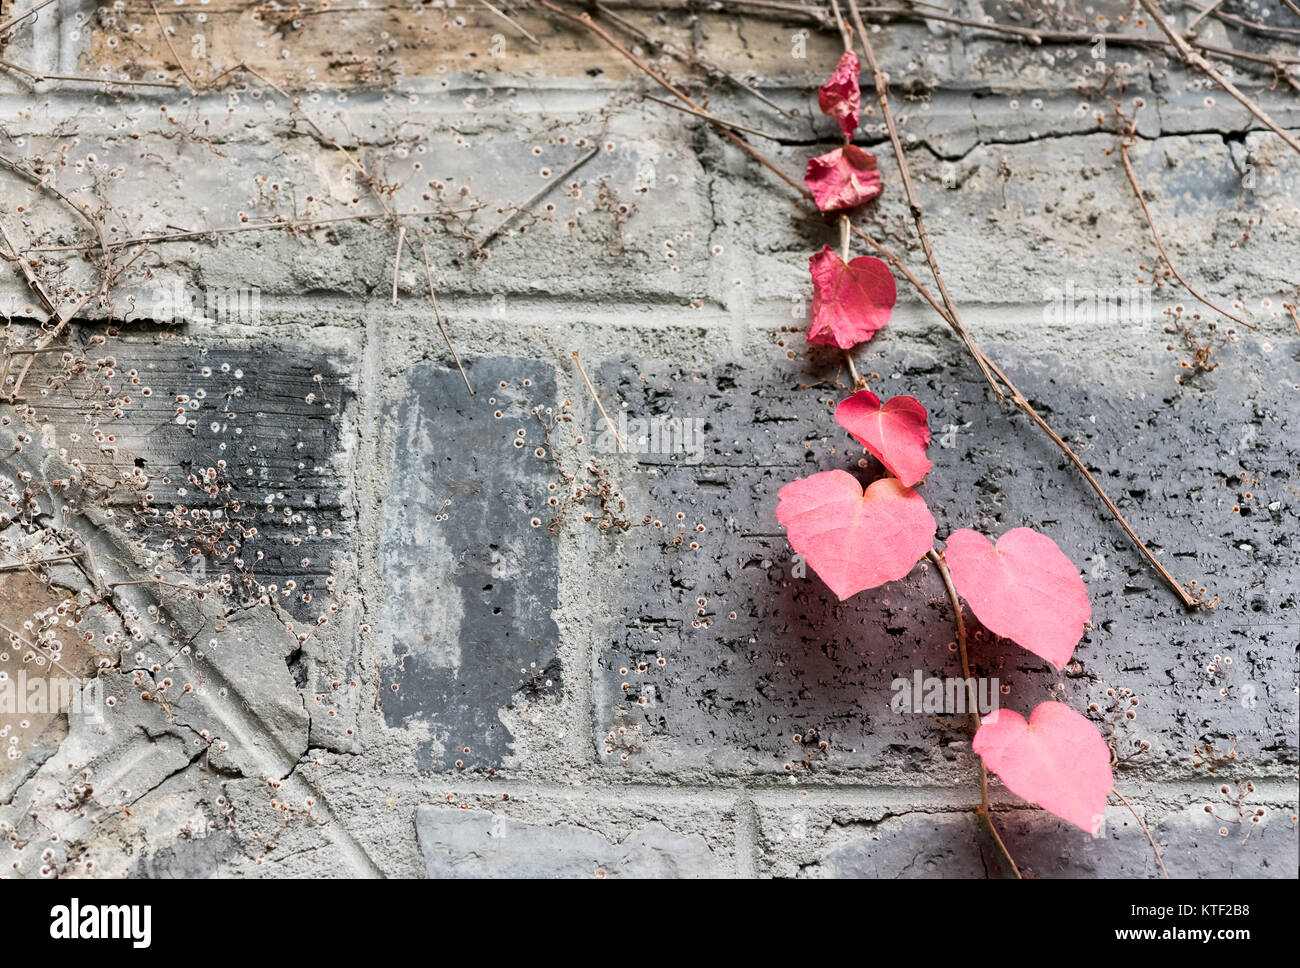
(465, 635)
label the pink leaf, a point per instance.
(854, 539)
(843, 178)
(1057, 760)
(897, 433)
(851, 300)
(840, 97)
(1024, 589)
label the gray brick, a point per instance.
(733, 692)
(636, 202)
(471, 843)
(811, 837)
(1189, 841)
(273, 411)
(914, 846)
(1011, 222)
(470, 596)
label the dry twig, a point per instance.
(1150, 840)
(1137, 190)
(23, 15)
(532, 199)
(437, 314)
(712, 119)
(584, 20)
(693, 59)
(973, 713)
(608, 423)
(918, 217)
(511, 21)
(171, 47)
(1193, 59)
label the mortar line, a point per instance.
(762, 791)
(369, 531)
(747, 834)
(760, 315)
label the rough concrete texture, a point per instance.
(332, 615)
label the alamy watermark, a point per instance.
(931, 694)
(1081, 306)
(75, 921)
(660, 434)
(26, 695)
(178, 304)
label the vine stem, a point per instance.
(1193, 59)
(1150, 840)
(397, 259)
(38, 78)
(986, 365)
(845, 226)
(1205, 12)
(1021, 403)
(983, 813)
(595, 396)
(32, 281)
(29, 565)
(167, 39)
(846, 32)
(45, 184)
(973, 711)
(712, 118)
(713, 70)
(511, 21)
(1125, 144)
(1032, 36)
(918, 217)
(584, 20)
(533, 198)
(289, 225)
(437, 314)
(23, 15)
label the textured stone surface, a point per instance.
(808, 841)
(235, 443)
(471, 577)
(741, 655)
(457, 843)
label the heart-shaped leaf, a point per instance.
(896, 433)
(843, 178)
(1024, 589)
(1057, 760)
(855, 539)
(851, 300)
(840, 97)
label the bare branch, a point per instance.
(1194, 59)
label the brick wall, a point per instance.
(466, 634)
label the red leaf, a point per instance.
(843, 178)
(854, 539)
(851, 300)
(1024, 589)
(897, 433)
(840, 97)
(1057, 760)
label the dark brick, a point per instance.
(272, 410)
(1179, 459)
(469, 596)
